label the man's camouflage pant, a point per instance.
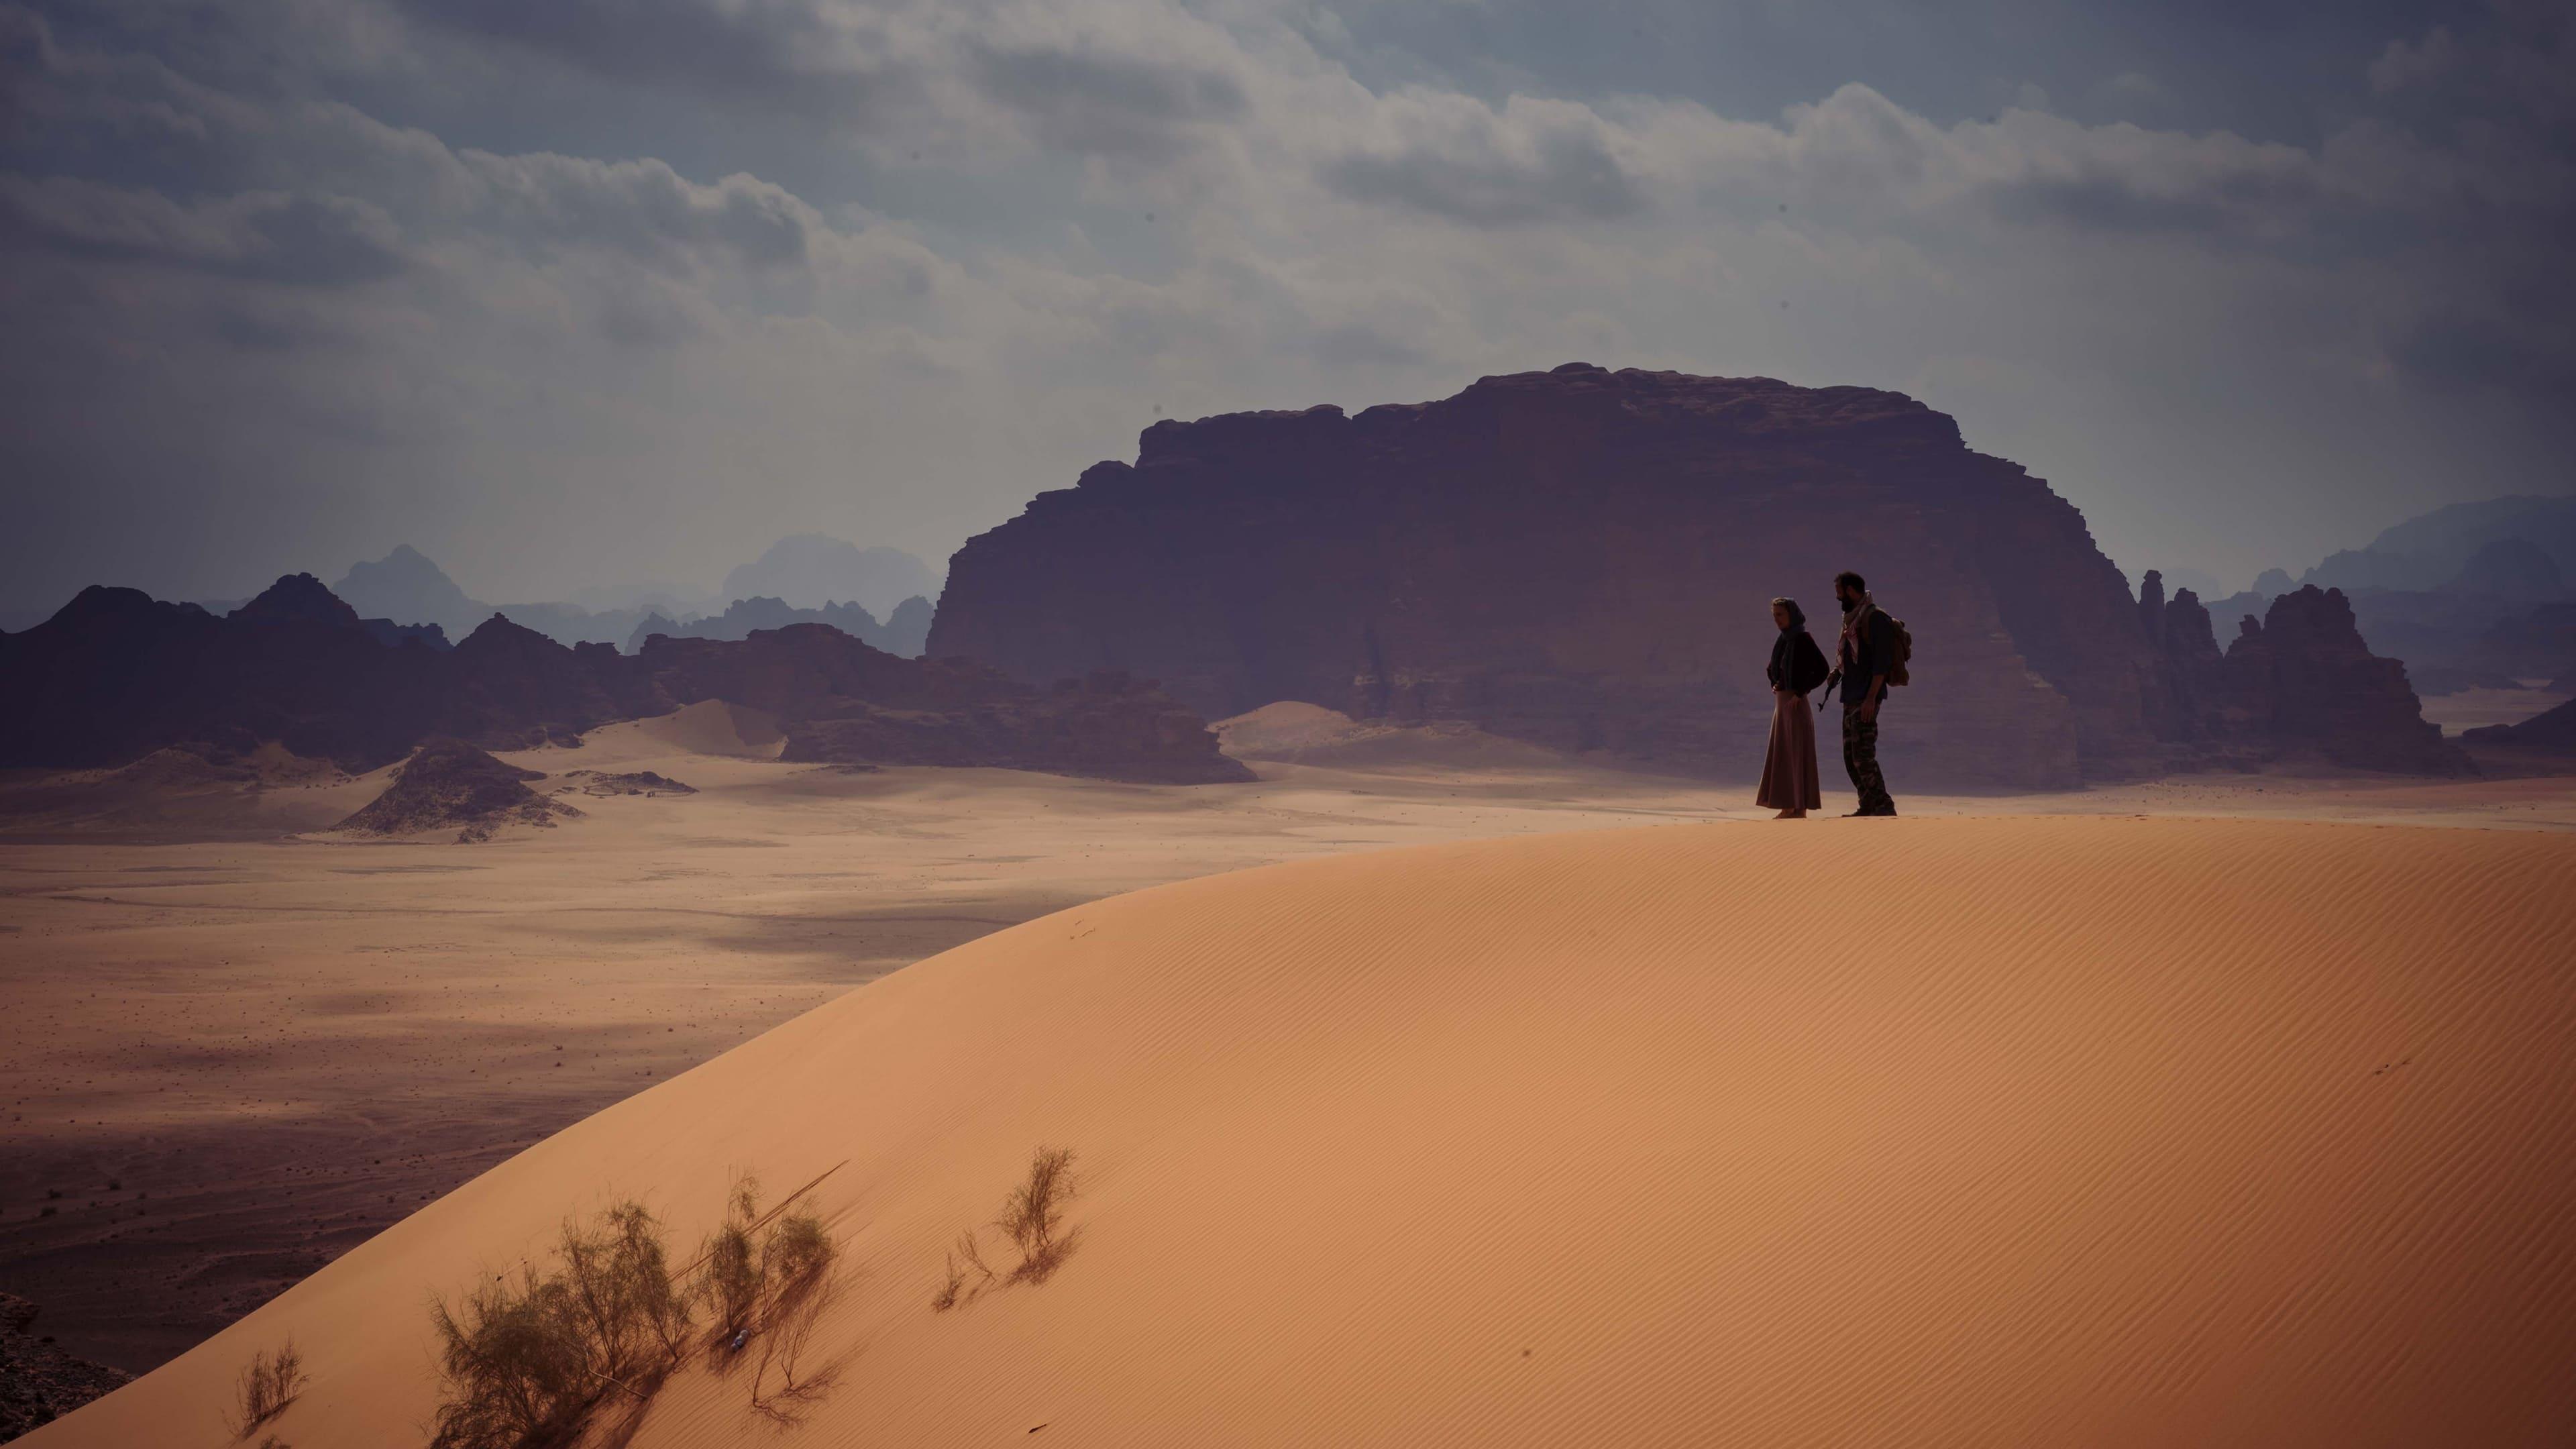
(1860, 761)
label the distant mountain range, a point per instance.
(2475, 595)
(880, 596)
(116, 674)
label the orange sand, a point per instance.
(2045, 1131)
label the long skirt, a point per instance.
(1789, 772)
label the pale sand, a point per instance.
(277, 1047)
(2038, 1131)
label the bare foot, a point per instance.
(1790, 815)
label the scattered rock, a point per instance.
(602, 784)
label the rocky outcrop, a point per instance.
(450, 785)
(1581, 559)
(606, 784)
(2298, 684)
(116, 675)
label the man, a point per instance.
(1866, 656)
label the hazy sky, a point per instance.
(581, 292)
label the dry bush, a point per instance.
(630, 1318)
(525, 1360)
(1033, 1215)
(729, 1271)
(794, 1256)
(513, 1365)
(268, 1383)
(968, 1275)
(787, 1333)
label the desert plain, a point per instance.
(1525, 1101)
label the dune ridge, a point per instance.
(1964, 1131)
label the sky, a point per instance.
(600, 292)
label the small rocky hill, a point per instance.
(450, 785)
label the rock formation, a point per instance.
(449, 784)
(115, 675)
(2297, 684)
(1581, 559)
(604, 784)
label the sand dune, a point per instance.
(710, 727)
(1959, 1131)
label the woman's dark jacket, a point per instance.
(1797, 665)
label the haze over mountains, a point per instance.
(2476, 595)
(881, 596)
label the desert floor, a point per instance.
(234, 1053)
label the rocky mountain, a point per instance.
(1582, 559)
(116, 674)
(2430, 550)
(406, 587)
(2552, 731)
(809, 570)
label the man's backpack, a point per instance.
(1903, 652)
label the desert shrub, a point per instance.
(268, 1383)
(729, 1268)
(1033, 1216)
(525, 1359)
(795, 1255)
(514, 1368)
(798, 1287)
(630, 1316)
(967, 1275)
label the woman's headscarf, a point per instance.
(1797, 616)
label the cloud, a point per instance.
(317, 241)
(1104, 103)
(1455, 157)
(592, 291)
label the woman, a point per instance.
(1789, 782)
